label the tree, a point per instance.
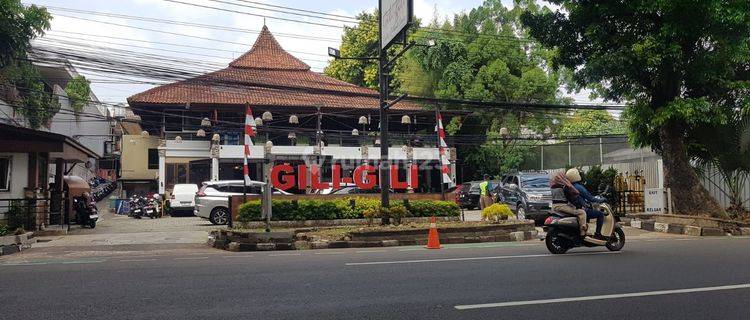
(589, 122)
(18, 25)
(676, 61)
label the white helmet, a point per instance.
(573, 175)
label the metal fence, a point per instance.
(27, 213)
(714, 183)
(574, 153)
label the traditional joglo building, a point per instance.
(201, 120)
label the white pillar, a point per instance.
(162, 170)
(214, 169)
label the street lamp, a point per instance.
(200, 133)
(258, 122)
(267, 116)
(294, 119)
(355, 132)
(177, 139)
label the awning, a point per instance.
(25, 140)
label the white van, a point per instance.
(183, 198)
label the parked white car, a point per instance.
(212, 200)
(183, 198)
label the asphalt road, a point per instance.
(695, 278)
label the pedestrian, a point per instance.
(485, 200)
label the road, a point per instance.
(478, 281)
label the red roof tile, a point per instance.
(266, 75)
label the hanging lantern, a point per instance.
(363, 120)
(258, 122)
(292, 136)
(294, 119)
(267, 116)
(269, 144)
(178, 139)
(145, 134)
(504, 131)
(377, 141)
(216, 137)
(200, 133)
(406, 119)
(355, 132)
(206, 122)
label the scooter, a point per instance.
(563, 231)
(136, 207)
(87, 214)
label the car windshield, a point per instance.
(535, 182)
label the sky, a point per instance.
(212, 49)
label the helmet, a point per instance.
(573, 175)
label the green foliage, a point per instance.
(497, 212)
(78, 90)
(4, 230)
(342, 209)
(16, 215)
(19, 24)
(597, 181)
(680, 64)
(590, 122)
(36, 104)
(428, 208)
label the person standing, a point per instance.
(485, 200)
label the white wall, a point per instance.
(19, 179)
(66, 123)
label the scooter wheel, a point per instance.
(555, 243)
(616, 241)
(92, 224)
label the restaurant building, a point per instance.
(307, 116)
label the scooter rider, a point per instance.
(564, 198)
(585, 197)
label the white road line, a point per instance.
(602, 297)
(137, 260)
(284, 254)
(240, 256)
(194, 258)
(475, 258)
(371, 251)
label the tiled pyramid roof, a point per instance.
(267, 75)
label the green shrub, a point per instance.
(398, 212)
(3, 230)
(428, 208)
(342, 209)
(497, 212)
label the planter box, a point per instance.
(7, 240)
(335, 222)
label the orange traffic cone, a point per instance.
(433, 240)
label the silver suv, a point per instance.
(212, 200)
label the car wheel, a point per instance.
(219, 216)
(520, 212)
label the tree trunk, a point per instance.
(689, 197)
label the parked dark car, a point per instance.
(526, 193)
(468, 196)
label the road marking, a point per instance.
(193, 258)
(475, 258)
(335, 252)
(284, 254)
(137, 260)
(602, 297)
(240, 256)
(371, 251)
(82, 261)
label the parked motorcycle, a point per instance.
(136, 207)
(86, 212)
(563, 231)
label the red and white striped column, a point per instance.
(442, 147)
(249, 134)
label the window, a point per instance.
(153, 158)
(5, 174)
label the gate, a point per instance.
(629, 188)
(26, 213)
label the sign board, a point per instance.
(395, 16)
(654, 199)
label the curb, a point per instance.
(687, 230)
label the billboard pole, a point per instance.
(394, 20)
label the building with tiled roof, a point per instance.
(277, 86)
